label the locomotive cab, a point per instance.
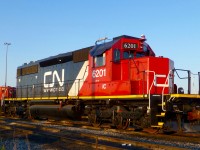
(127, 66)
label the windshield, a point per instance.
(128, 54)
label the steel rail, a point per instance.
(82, 138)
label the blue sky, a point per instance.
(41, 28)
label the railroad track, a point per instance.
(58, 136)
(19, 128)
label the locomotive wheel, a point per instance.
(94, 120)
(120, 122)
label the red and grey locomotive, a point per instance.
(120, 81)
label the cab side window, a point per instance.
(116, 55)
(100, 60)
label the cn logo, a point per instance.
(104, 86)
(54, 75)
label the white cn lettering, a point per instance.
(49, 73)
(54, 76)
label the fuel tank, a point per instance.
(55, 112)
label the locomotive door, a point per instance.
(116, 65)
(125, 65)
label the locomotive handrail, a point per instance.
(148, 90)
(85, 71)
(188, 77)
(23, 91)
(81, 79)
(136, 65)
(167, 80)
(199, 81)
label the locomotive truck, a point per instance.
(119, 81)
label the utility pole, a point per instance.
(7, 44)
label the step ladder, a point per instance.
(160, 115)
(157, 104)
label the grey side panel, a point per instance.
(55, 80)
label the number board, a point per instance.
(130, 45)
